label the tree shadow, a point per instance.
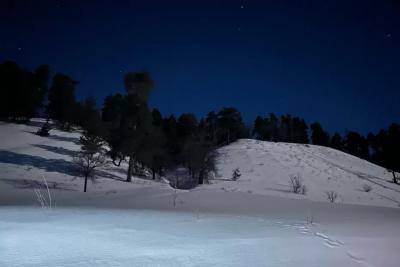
(32, 184)
(36, 123)
(101, 173)
(74, 140)
(58, 150)
(286, 191)
(50, 165)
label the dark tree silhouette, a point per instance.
(21, 92)
(230, 126)
(131, 129)
(62, 103)
(89, 117)
(260, 129)
(300, 128)
(356, 145)
(337, 141)
(139, 83)
(391, 148)
(318, 135)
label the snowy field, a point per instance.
(80, 237)
(254, 221)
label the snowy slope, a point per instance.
(25, 158)
(254, 221)
(267, 166)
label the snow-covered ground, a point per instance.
(254, 221)
(267, 166)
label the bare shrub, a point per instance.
(367, 188)
(236, 174)
(310, 217)
(44, 198)
(331, 196)
(297, 185)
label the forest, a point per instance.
(141, 135)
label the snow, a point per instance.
(254, 221)
(267, 166)
(70, 237)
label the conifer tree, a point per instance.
(318, 135)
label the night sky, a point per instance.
(337, 62)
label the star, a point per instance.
(19, 48)
(388, 35)
(242, 6)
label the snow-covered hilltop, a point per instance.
(266, 168)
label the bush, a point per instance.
(236, 174)
(44, 130)
(331, 196)
(367, 188)
(296, 185)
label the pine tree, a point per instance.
(336, 141)
(260, 129)
(356, 145)
(139, 84)
(21, 92)
(391, 149)
(318, 135)
(62, 103)
(230, 125)
(129, 135)
(300, 131)
(90, 157)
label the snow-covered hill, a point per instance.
(266, 168)
(254, 221)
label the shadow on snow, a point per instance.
(49, 165)
(58, 150)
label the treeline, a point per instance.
(381, 148)
(142, 136)
(22, 92)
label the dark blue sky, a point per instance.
(337, 62)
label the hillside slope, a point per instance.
(266, 167)
(254, 220)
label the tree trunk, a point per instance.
(85, 187)
(394, 177)
(154, 173)
(201, 177)
(129, 174)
